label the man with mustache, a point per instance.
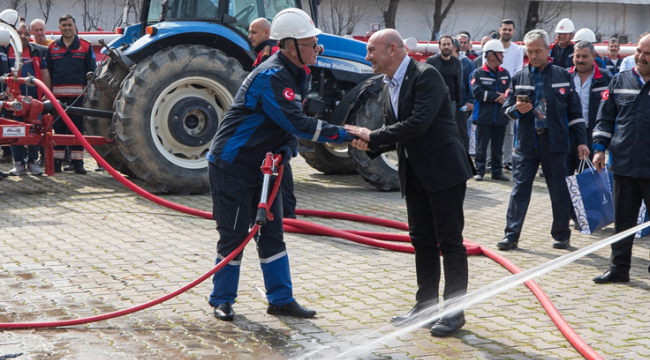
(590, 82)
(613, 60)
(622, 127)
(542, 97)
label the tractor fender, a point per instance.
(171, 33)
(354, 98)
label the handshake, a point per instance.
(362, 137)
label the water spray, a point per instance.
(499, 286)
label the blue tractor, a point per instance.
(169, 79)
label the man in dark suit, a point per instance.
(433, 170)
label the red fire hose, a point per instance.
(382, 240)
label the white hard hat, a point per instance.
(10, 17)
(494, 45)
(565, 26)
(293, 23)
(585, 34)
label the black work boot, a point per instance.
(224, 312)
(291, 309)
(507, 244)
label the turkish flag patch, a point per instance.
(562, 91)
(503, 81)
(605, 95)
(288, 94)
(473, 81)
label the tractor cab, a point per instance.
(233, 13)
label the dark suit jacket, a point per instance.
(425, 129)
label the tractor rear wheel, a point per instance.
(100, 96)
(168, 111)
(329, 158)
(380, 172)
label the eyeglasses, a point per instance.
(314, 46)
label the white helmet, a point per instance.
(10, 17)
(565, 26)
(494, 45)
(293, 23)
(585, 34)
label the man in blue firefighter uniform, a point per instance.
(69, 59)
(265, 116)
(622, 127)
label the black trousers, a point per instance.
(288, 196)
(484, 134)
(61, 128)
(628, 193)
(436, 222)
(461, 122)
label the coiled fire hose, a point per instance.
(396, 242)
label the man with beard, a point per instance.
(513, 61)
(622, 123)
(451, 70)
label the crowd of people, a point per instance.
(62, 65)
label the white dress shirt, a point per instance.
(395, 84)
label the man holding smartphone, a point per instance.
(542, 97)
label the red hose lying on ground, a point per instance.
(298, 226)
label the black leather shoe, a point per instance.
(561, 244)
(507, 167)
(224, 312)
(3, 175)
(507, 244)
(612, 277)
(291, 309)
(448, 325)
(414, 315)
(500, 177)
(80, 170)
(68, 168)
(478, 177)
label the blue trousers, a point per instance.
(234, 209)
(524, 170)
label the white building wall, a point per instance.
(479, 17)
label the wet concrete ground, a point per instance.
(74, 246)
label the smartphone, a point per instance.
(523, 98)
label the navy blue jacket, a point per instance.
(613, 66)
(485, 85)
(564, 110)
(68, 66)
(564, 60)
(598, 86)
(623, 125)
(466, 95)
(266, 113)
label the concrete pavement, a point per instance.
(75, 246)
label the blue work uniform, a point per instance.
(68, 67)
(543, 137)
(266, 115)
(623, 125)
(488, 117)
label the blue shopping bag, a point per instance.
(591, 196)
(643, 217)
